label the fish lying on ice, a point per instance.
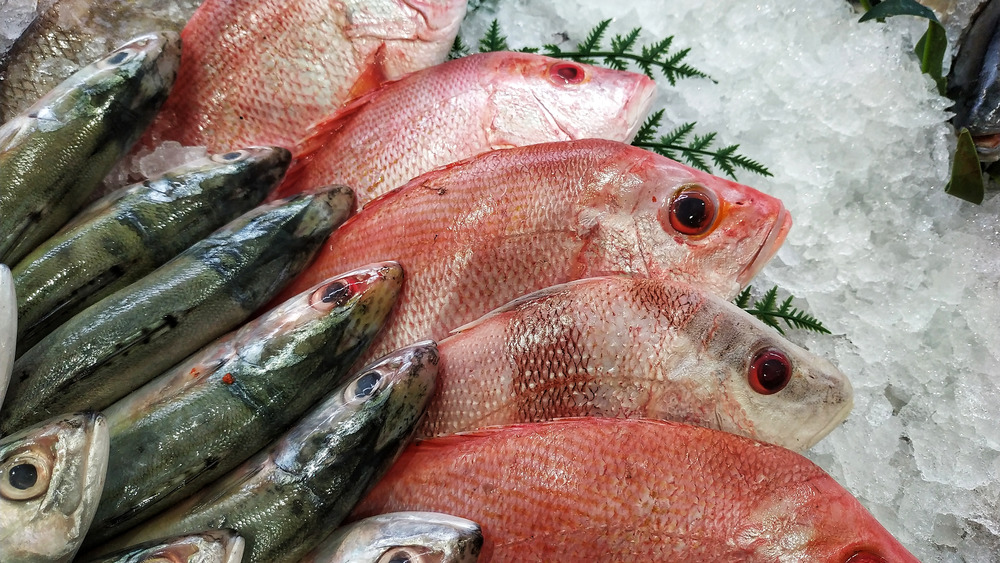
(216, 546)
(261, 72)
(635, 347)
(123, 237)
(285, 499)
(481, 232)
(415, 537)
(212, 411)
(8, 328)
(51, 477)
(126, 339)
(54, 155)
(589, 489)
(462, 108)
(69, 34)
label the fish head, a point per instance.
(418, 537)
(51, 478)
(647, 215)
(220, 546)
(815, 519)
(536, 99)
(371, 417)
(771, 390)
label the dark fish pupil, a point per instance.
(231, 156)
(400, 558)
(118, 57)
(366, 384)
(691, 211)
(23, 476)
(336, 291)
(772, 374)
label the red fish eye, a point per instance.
(566, 73)
(692, 211)
(770, 371)
(865, 557)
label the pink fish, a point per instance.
(476, 234)
(260, 72)
(593, 489)
(462, 108)
(635, 348)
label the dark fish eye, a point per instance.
(770, 371)
(692, 211)
(395, 555)
(865, 557)
(119, 58)
(366, 385)
(331, 295)
(230, 157)
(566, 73)
(24, 477)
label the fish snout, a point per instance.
(772, 242)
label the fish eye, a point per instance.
(119, 58)
(24, 477)
(366, 385)
(865, 557)
(396, 555)
(692, 211)
(567, 73)
(230, 157)
(770, 371)
(331, 295)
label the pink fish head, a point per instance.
(659, 218)
(817, 520)
(537, 99)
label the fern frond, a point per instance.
(593, 40)
(648, 129)
(494, 40)
(743, 299)
(458, 49)
(769, 311)
(698, 149)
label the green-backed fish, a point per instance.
(211, 412)
(287, 496)
(8, 327)
(126, 339)
(131, 232)
(411, 537)
(54, 155)
(51, 477)
(213, 546)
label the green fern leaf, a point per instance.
(743, 299)
(458, 49)
(622, 44)
(494, 40)
(769, 312)
(593, 40)
(648, 129)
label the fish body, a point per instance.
(597, 489)
(478, 233)
(261, 72)
(51, 477)
(974, 80)
(122, 238)
(131, 336)
(635, 348)
(8, 328)
(417, 537)
(214, 410)
(286, 497)
(217, 546)
(462, 108)
(67, 35)
(54, 155)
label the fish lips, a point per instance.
(772, 242)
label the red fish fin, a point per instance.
(372, 76)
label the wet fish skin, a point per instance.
(974, 80)
(211, 412)
(45, 521)
(69, 34)
(261, 72)
(8, 328)
(284, 498)
(462, 108)
(657, 491)
(417, 537)
(131, 336)
(478, 233)
(123, 237)
(633, 348)
(54, 155)
(216, 546)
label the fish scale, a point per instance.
(628, 490)
(476, 234)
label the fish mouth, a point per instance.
(834, 422)
(639, 105)
(775, 237)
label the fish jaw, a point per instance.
(8, 328)
(75, 450)
(775, 237)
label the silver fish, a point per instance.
(217, 546)
(54, 155)
(8, 328)
(123, 237)
(51, 477)
(283, 499)
(413, 537)
(68, 34)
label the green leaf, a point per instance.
(889, 8)
(966, 174)
(930, 50)
(494, 40)
(675, 145)
(458, 49)
(770, 312)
